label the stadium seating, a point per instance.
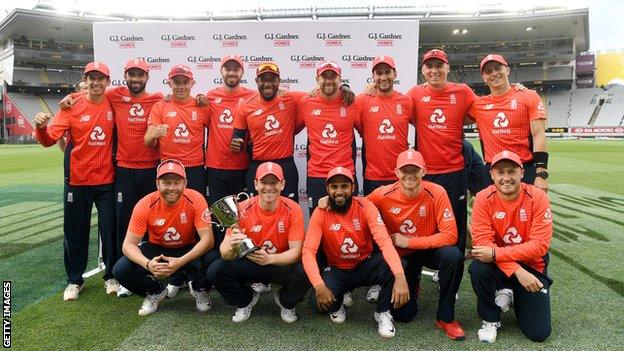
(558, 108)
(612, 110)
(583, 105)
(27, 103)
(52, 101)
(23, 76)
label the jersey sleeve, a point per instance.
(139, 218)
(202, 213)
(297, 96)
(447, 228)
(49, 135)
(376, 196)
(359, 118)
(541, 231)
(483, 233)
(310, 248)
(381, 237)
(155, 114)
(240, 118)
(535, 106)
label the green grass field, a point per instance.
(587, 194)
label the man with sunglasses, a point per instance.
(172, 217)
(90, 125)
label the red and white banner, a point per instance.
(597, 131)
(16, 123)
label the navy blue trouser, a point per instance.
(77, 207)
(291, 190)
(196, 179)
(221, 183)
(476, 170)
(131, 185)
(371, 185)
(372, 271)
(450, 263)
(455, 184)
(532, 309)
(231, 279)
(137, 279)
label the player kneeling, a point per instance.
(171, 216)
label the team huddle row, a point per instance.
(413, 215)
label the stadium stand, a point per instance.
(25, 76)
(52, 101)
(583, 105)
(558, 108)
(29, 104)
(611, 112)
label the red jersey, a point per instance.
(331, 140)
(271, 125)
(504, 122)
(131, 114)
(384, 126)
(347, 239)
(440, 125)
(519, 230)
(170, 226)
(272, 230)
(185, 137)
(427, 219)
(89, 126)
(224, 105)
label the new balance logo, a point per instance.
(271, 123)
(329, 132)
(488, 107)
(85, 118)
(181, 131)
(335, 227)
(501, 120)
(316, 112)
(407, 227)
(256, 228)
(374, 109)
(437, 116)
(425, 99)
(159, 222)
(171, 235)
(499, 215)
(136, 110)
(386, 127)
(395, 210)
(226, 116)
(172, 114)
(512, 237)
(97, 134)
(348, 246)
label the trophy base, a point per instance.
(248, 251)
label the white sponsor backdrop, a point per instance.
(296, 46)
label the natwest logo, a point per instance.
(177, 40)
(97, 136)
(357, 61)
(329, 132)
(385, 39)
(271, 123)
(307, 61)
(181, 131)
(512, 237)
(407, 227)
(281, 39)
(348, 246)
(229, 40)
(437, 116)
(333, 39)
(125, 41)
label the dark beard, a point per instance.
(137, 92)
(340, 208)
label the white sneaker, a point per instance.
(71, 292)
(347, 299)
(112, 286)
(261, 288)
(202, 300)
(436, 276)
(150, 303)
(372, 295)
(504, 299)
(487, 332)
(172, 290)
(242, 314)
(123, 292)
(385, 326)
(339, 316)
(288, 315)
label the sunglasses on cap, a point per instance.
(268, 67)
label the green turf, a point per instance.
(587, 189)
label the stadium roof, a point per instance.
(436, 27)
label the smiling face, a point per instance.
(384, 76)
(268, 85)
(507, 176)
(328, 82)
(496, 76)
(269, 189)
(232, 73)
(435, 72)
(410, 177)
(181, 87)
(96, 83)
(170, 186)
(136, 80)
(340, 190)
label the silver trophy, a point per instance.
(227, 213)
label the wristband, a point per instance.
(540, 158)
(147, 265)
(493, 255)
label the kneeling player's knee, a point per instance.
(452, 255)
(538, 335)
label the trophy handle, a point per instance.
(242, 193)
(217, 224)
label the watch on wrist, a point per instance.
(542, 174)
